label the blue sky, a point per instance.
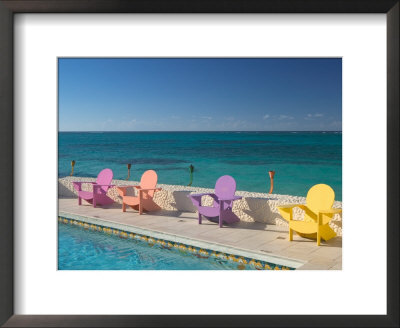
(230, 94)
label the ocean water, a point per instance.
(299, 159)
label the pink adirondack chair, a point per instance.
(98, 196)
(144, 200)
(224, 196)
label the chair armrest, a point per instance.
(331, 211)
(200, 195)
(82, 182)
(231, 199)
(290, 206)
(149, 189)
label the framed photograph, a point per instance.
(169, 160)
(241, 137)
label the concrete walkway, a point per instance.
(255, 239)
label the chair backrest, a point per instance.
(104, 178)
(225, 187)
(320, 197)
(148, 181)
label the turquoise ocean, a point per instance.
(299, 159)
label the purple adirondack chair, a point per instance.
(99, 194)
(224, 196)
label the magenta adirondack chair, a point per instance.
(224, 196)
(98, 196)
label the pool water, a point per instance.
(80, 249)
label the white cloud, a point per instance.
(311, 116)
(266, 116)
(285, 117)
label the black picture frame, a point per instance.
(10, 7)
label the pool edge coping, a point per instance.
(217, 247)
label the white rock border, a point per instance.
(253, 207)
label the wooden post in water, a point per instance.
(191, 169)
(72, 168)
(271, 178)
(129, 171)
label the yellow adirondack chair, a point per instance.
(318, 213)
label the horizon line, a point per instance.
(204, 131)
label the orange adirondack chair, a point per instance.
(145, 193)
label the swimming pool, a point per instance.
(89, 247)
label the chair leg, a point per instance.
(79, 201)
(319, 229)
(221, 210)
(199, 218)
(318, 238)
(123, 207)
(94, 201)
(290, 234)
(140, 202)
